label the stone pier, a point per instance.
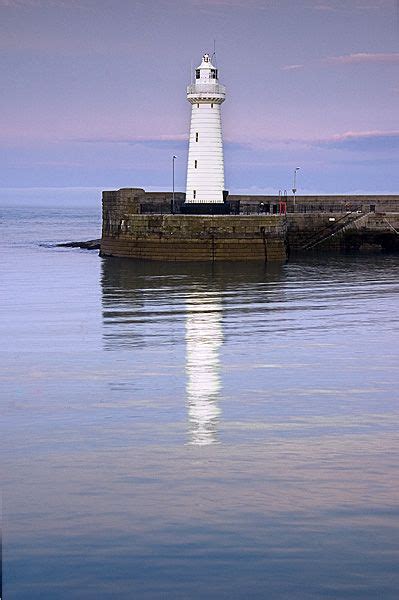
(151, 226)
(196, 237)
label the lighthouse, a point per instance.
(205, 168)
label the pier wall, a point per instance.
(342, 232)
(197, 238)
(149, 225)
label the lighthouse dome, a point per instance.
(206, 70)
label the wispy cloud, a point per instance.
(211, 6)
(233, 3)
(362, 141)
(324, 7)
(220, 2)
(35, 3)
(357, 58)
(18, 3)
(353, 5)
(160, 141)
(292, 67)
(364, 58)
(139, 139)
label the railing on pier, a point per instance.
(320, 208)
(261, 208)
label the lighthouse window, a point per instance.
(197, 105)
(195, 164)
(212, 105)
(196, 136)
(213, 74)
(197, 74)
(194, 193)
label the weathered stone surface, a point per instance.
(198, 238)
(341, 232)
(140, 224)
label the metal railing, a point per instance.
(206, 88)
(323, 209)
(346, 222)
(272, 209)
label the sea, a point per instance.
(189, 431)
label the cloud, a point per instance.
(320, 5)
(354, 141)
(358, 58)
(292, 67)
(38, 3)
(363, 141)
(161, 141)
(17, 3)
(230, 3)
(324, 7)
(139, 139)
(364, 58)
(353, 5)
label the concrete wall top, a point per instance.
(130, 200)
(322, 198)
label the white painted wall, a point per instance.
(205, 168)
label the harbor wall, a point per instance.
(149, 225)
(342, 232)
(197, 238)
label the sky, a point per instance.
(94, 94)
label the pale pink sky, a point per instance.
(93, 92)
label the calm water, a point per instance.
(173, 432)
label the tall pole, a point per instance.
(173, 183)
(294, 184)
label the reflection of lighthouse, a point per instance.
(204, 339)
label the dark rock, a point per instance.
(88, 245)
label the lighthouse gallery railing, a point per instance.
(206, 88)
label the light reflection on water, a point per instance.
(173, 431)
(204, 337)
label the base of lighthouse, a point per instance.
(208, 208)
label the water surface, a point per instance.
(177, 431)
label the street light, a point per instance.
(173, 184)
(294, 184)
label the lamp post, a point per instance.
(294, 184)
(173, 184)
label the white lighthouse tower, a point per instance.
(205, 169)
